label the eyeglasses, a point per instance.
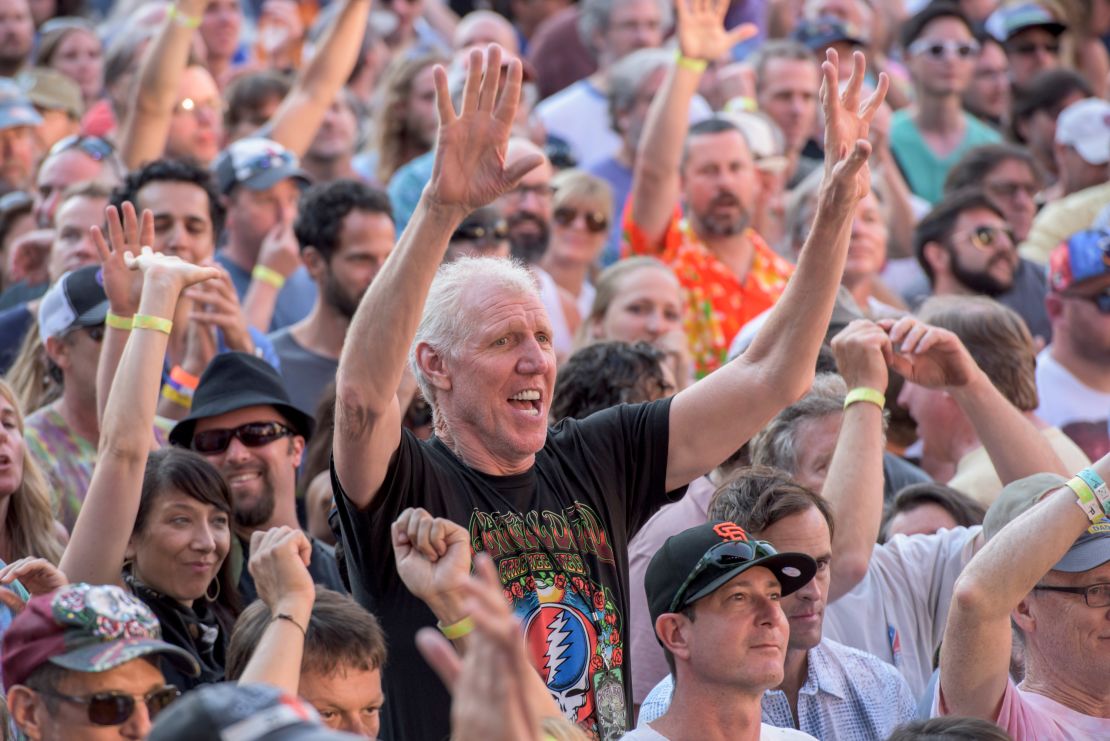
(1007, 190)
(1096, 595)
(723, 555)
(252, 434)
(595, 222)
(482, 232)
(938, 48)
(94, 146)
(114, 708)
(1029, 48)
(542, 192)
(987, 238)
(191, 105)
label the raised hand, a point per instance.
(30, 255)
(123, 285)
(470, 169)
(37, 575)
(928, 356)
(280, 250)
(863, 352)
(847, 124)
(701, 31)
(279, 564)
(433, 558)
(169, 268)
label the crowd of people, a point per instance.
(596, 370)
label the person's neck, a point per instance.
(945, 284)
(1062, 684)
(241, 254)
(78, 412)
(860, 288)
(961, 440)
(736, 251)
(795, 673)
(218, 67)
(710, 713)
(1091, 372)
(473, 455)
(327, 169)
(568, 274)
(322, 332)
(285, 515)
(939, 114)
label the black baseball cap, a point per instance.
(681, 554)
(236, 380)
(77, 299)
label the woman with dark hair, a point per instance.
(159, 524)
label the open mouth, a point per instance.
(243, 477)
(529, 402)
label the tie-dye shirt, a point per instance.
(718, 303)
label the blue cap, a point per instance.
(16, 108)
(1010, 20)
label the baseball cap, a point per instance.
(818, 33)
(1081, 257)
(764, 139)
(685, 564)
(257, 163)
(15, 107)
(1089, 551)
(1009, 20)
(243, 712)
(77, 299)
(51, 90)
(1085, 126)
(85, 628)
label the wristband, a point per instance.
(1086, 501)
(694, 65)
(156, 323)
(457, 629)
(863, 393)
(188, 21)
(184, 378)
(115, 321)
(268, 276)
(283, 616)
(1098, 488)
(169, 393)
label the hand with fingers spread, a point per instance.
(928, 356)
(123, 285)
(433, 560)
(470, 169)
(37, 575)
(279, 564)
(701, 29)
(847, 126)
(215, 304)
(863, 352)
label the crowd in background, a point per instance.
(552, 369)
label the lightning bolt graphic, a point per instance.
(556, 644)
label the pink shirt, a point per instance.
(1028, 716)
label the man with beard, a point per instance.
(329, 156)
(243, 422)
(965, 246)
(727, 271)
(345, 230)
(17, 34)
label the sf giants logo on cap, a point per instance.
(730, 531)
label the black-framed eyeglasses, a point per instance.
(596, 222)
(1096, 595)
(97, 148)
(252, 434)
(723, 555)
(115, 708)
(985, 237)
(941, 48)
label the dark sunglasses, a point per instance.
(482, 232)
(947, 48)
(723, 555)
(114, 708)
(95, 147)
(252, 434)
(985, 237)
(1028, 48)
(595, 222)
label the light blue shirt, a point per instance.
(848, 694)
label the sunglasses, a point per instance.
(989, 237)
(723, 555)
(1029, 48)
(595, 222)
(94, 146)
(252, 434)
(939, 49)
(115, 708)
(1008, 190)
(482, 232)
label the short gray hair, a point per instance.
(446, 323)
(627, 76)
(593, 17)
(776, 445)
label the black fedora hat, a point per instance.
(235, 380)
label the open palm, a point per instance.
(701, 31)
(121, 284)
(470, 170)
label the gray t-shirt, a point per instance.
(305, 373)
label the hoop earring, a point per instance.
(216, 596)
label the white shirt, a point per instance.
(899, 610)
(1064, 398)
(766, 733)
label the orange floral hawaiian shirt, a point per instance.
(718, 303)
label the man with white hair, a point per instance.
(555, 508)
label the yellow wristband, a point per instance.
(694, 65)
(157, 323)
(180, 18)
(268, 276)
(119, 322)
(863, 393)
(456, 630)
(1087, 500)
(169, 393)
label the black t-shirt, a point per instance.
(558, 535)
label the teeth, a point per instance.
(530, 395)
(244, 477)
